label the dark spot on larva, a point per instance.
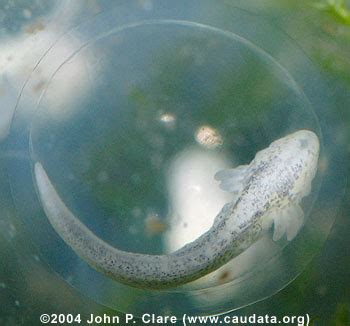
(224, 276)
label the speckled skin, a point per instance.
(279, 176)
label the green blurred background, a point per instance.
(322, 30)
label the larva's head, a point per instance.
(300, 152)
(303, 144)
(300, 140)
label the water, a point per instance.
(132, 124)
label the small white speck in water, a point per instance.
(17, 303)
(168, 120)
(2, 285)
(208, 137)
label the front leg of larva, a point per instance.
(233, 180)
(285, 221)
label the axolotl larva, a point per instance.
(265, 194)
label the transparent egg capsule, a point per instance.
(147, 136)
